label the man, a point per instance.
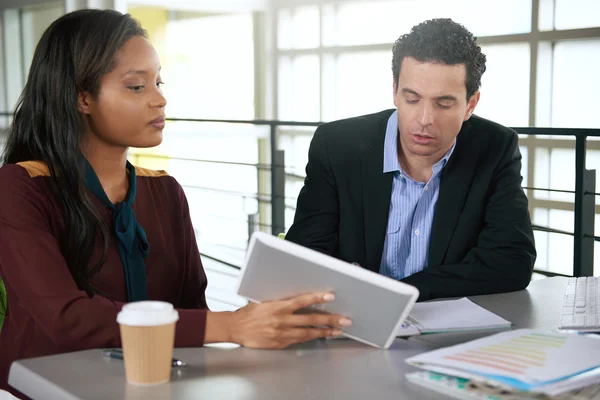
(428, 194)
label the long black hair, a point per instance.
(72, 56)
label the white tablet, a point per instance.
(275, 269)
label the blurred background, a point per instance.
(248, 81)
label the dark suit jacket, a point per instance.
(481, 239)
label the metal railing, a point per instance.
(584, 204)
(277, 165)
(585, 189)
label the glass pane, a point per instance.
(546, 15)
(543, 99)
(329, 32)
(540, 218)
(306, 27)
(35, 20)
(597, 244)
(380, 22)
(220, 196)
(524, 160)
(596, 258)
(285, 79)
(296, 145)
(555, 251)
(14, 69)
(295, 142)
(284, 29)
(572, 14)
(505, 85)
(4, 121)
(21, 29)
(298, 28)
(554, 169)
(541, 173)
(592, 161)
(328, 87)
(292, 190)
(298, 88)
(576, 84)
(353, 94)
(385, 21)
(206, 80)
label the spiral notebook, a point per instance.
(450, 316)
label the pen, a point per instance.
(117, 354)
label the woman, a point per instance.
(82, 231)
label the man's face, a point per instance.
(432, 105)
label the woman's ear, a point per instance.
(84, 103)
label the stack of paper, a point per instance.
(464, 389)
(450, 316)
(526, 360)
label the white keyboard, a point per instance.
(581, 305)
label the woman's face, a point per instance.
(129, 109)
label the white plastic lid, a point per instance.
(147, 313)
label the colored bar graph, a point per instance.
(515, 355)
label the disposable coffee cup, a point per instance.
(148, 336)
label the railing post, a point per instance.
(585, 204)
(277, 185)
(252, 225)
(589, 214)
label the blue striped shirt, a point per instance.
(411, 211)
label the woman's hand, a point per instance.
(274, 324)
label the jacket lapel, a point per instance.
(377, 190)
(457, 177)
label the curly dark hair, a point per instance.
(443, 41)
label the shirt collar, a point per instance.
(390, 152)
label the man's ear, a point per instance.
(84, 103)
(471, 104)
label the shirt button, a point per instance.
(417, 232)
(426, 187)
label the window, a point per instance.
(555, 169)
(385, 21)
(573, 14)
(299, 80)
(357, 83)
(14, 70)
(210, 78)
(358, 80)
(34, 21)
(208, 69)
(298, 28)
(3, 104)
(593, 162)
(576, 84)
(505, 84)
(350, 74)
(21, 31)
(555, 251)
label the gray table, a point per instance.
(333, 369)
